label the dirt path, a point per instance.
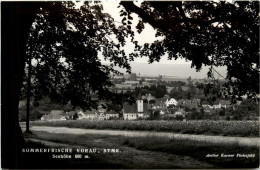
(246, 141)
(132, 158)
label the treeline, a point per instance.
(158, 91)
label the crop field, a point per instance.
(208, 127)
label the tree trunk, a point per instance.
(17, 18)
(28, 95)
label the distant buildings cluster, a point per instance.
(100, 113)
(146, 106)
(163, 107)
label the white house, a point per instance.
(111, 114)
(171, 101)
(102, 116)
(81, 115)
(206, 105)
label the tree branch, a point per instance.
(129, 6)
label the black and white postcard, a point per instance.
(130, 84)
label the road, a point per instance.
(242, 141)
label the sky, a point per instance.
(179, 67)
(146, 36)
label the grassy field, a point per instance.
(198, 150)
(139, 151)
(208, 127)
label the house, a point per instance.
(171, 101)
(111, 115)
(225, 103)
(192, 105)
(197, 101)
(206, 105)
(159, 104)
(70, 115)
(131, 82)
(55, 115)
(221, 104)
(180, 112)
(102, 116)
(101, 112)
(136, 110)
(169, 89)
(148, 97)
(189, 103)
(81, 115)
(44, 117)
(184, 102)
(91, 114)
(216, 105)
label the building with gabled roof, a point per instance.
(205, 104)
(111, 115)
(159, 104)
(136, 110)
(91, 114)
(55, 115)
(148, 97)
(70, 115)
(225, 103)
(171, 101)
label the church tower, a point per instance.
(140, 106)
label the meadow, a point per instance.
(198, 150)
(207, 127)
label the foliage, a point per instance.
(158, 91)
(206, 33)
(117, 108)
(195, 115)
(75, 116)
(64, 43)
(230, 128)
(34, 114)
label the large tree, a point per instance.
(16, 24)
(62, 42)
(206, 33)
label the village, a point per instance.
(160, 105)
(170, 109)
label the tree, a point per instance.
(65, 48)
(75, 116)
(15, 32)
(152, 101)
(206, 33)
(59, 31)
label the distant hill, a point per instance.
(175, 70)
